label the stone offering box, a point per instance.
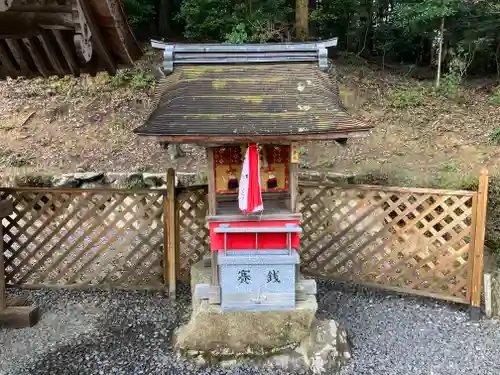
(258, 279)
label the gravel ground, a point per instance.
(130, 333)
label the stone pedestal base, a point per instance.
(289, 339)
(245, 332)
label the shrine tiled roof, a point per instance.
(259, 100)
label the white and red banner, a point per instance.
(250, 195)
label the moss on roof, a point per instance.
(271, 99)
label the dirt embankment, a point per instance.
(82, 124)
(69, 124)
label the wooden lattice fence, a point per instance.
(410, 240)
(194, 236)
(419, 241)
(77, 237)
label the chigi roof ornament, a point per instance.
(175, 54)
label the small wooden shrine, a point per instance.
(269, 96)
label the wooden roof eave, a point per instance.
(209, 141)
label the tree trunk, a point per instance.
(368, 31)
(164, 18)
(370, 34)
(497, 59)
(302, 19)
(440, 53)
(425, 58)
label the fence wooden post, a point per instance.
(3, 297)
(16, 315)
(170, 236)
(5, 210)
(478, 243)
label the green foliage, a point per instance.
(451, 85)
(134, 78)
(60, 85)
(135, 182)
(494, 99)
(235, 21)
(142, 81)
(495, 136)
(397, 31)
(13, 159)
(139, 12)
(206, 19)
(238, 35)
(417, 16)
(450, 176)
(201, 178)
(331, 17)
(408, 30)
(406, 97)
(493, 216)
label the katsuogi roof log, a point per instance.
(235, 96)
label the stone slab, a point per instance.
(208, 292)
(245, 332)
